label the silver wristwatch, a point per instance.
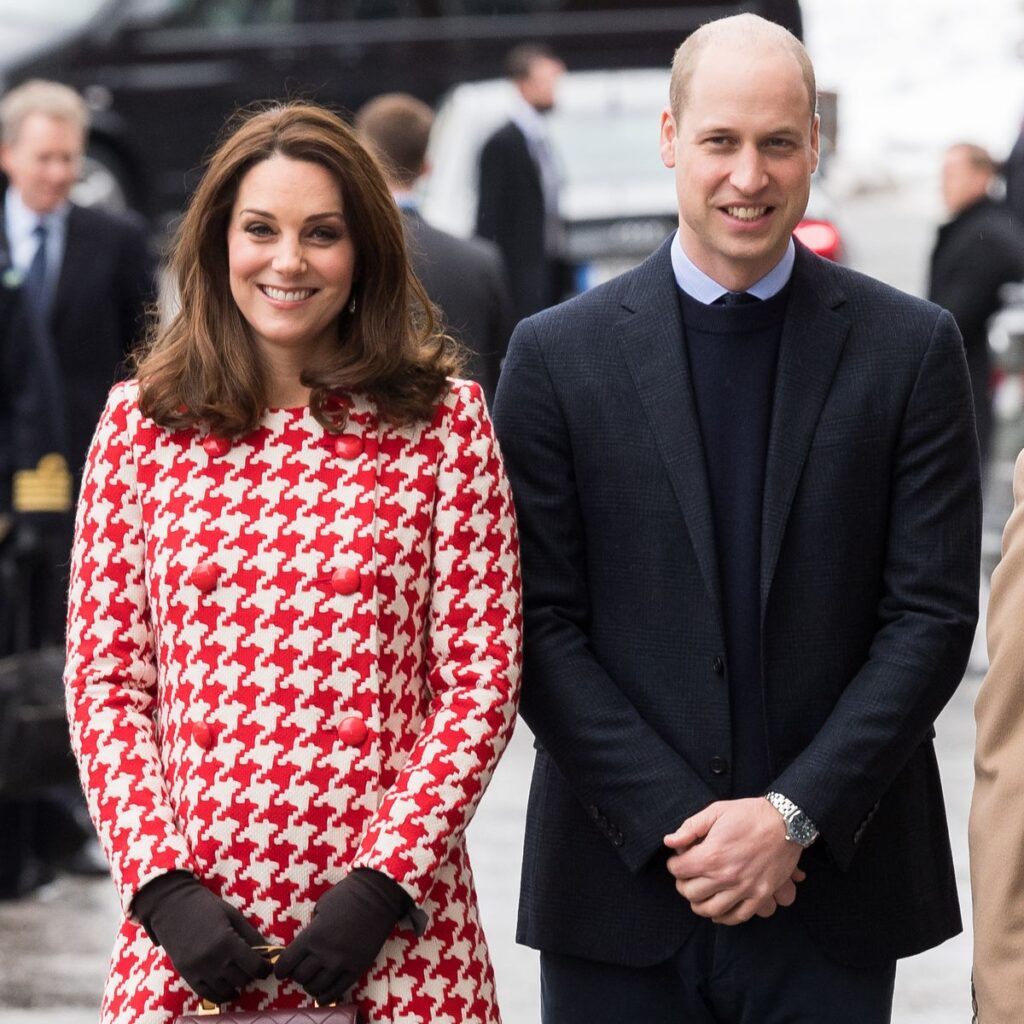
(799, 828)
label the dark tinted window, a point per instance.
(234, 13)
(228, 13)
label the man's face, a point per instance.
(538, 88)
(744, 149)
(43, 161)
(962, 182)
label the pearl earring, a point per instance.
(352, 304)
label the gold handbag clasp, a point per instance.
(269, 953)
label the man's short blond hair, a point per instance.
(40, 97)
(739, 31)
(977, 157)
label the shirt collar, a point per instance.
(705, 289)
(20, 221)
(406, 199)
(527, 119)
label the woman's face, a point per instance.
(291, 259)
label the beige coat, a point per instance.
(997, 810)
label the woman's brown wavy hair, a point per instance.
(203, 369)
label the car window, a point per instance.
(40, 13)
(487, 7)
(609, 145)
(232, 13)
(544, 6)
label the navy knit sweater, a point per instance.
(733, 352)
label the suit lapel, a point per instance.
(75, 256)
(813, 336)
(651, 339)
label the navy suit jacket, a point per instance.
(868, 592)
(28, 430)
(107, 277)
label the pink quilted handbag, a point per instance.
(339, 1013)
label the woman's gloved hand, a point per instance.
(209, 941)
(350, 924)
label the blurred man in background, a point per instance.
(83, 278)
(88, 273)
(977, 251)
(465, 278)
(519, 186)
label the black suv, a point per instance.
(162, 75)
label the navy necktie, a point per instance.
(735, 299)
(35, 279)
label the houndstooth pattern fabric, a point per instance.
(289, 657)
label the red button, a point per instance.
(345, 581)
(215, 445)
(202, 735)
(205, 576)
(352, 731)
(349, 446)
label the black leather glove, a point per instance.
(209, 941)
(350, 924)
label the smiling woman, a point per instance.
(294, 618)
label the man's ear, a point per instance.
(668, 138)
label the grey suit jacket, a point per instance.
(869, 583)
(465, 279)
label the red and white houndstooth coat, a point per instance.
(290, 656)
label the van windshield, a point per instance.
(47, 13)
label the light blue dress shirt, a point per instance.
(704, 289)
(20, 224)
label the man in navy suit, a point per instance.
(519, 184)
(88, 274)
(464, 277)
(748, 498)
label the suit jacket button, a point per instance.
(352, 731)
(215, 445)
(202, 735)
(718, 665)
(345, 581)
(204, 576)
(348, 446)
(718, 765)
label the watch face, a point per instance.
(801, 830)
